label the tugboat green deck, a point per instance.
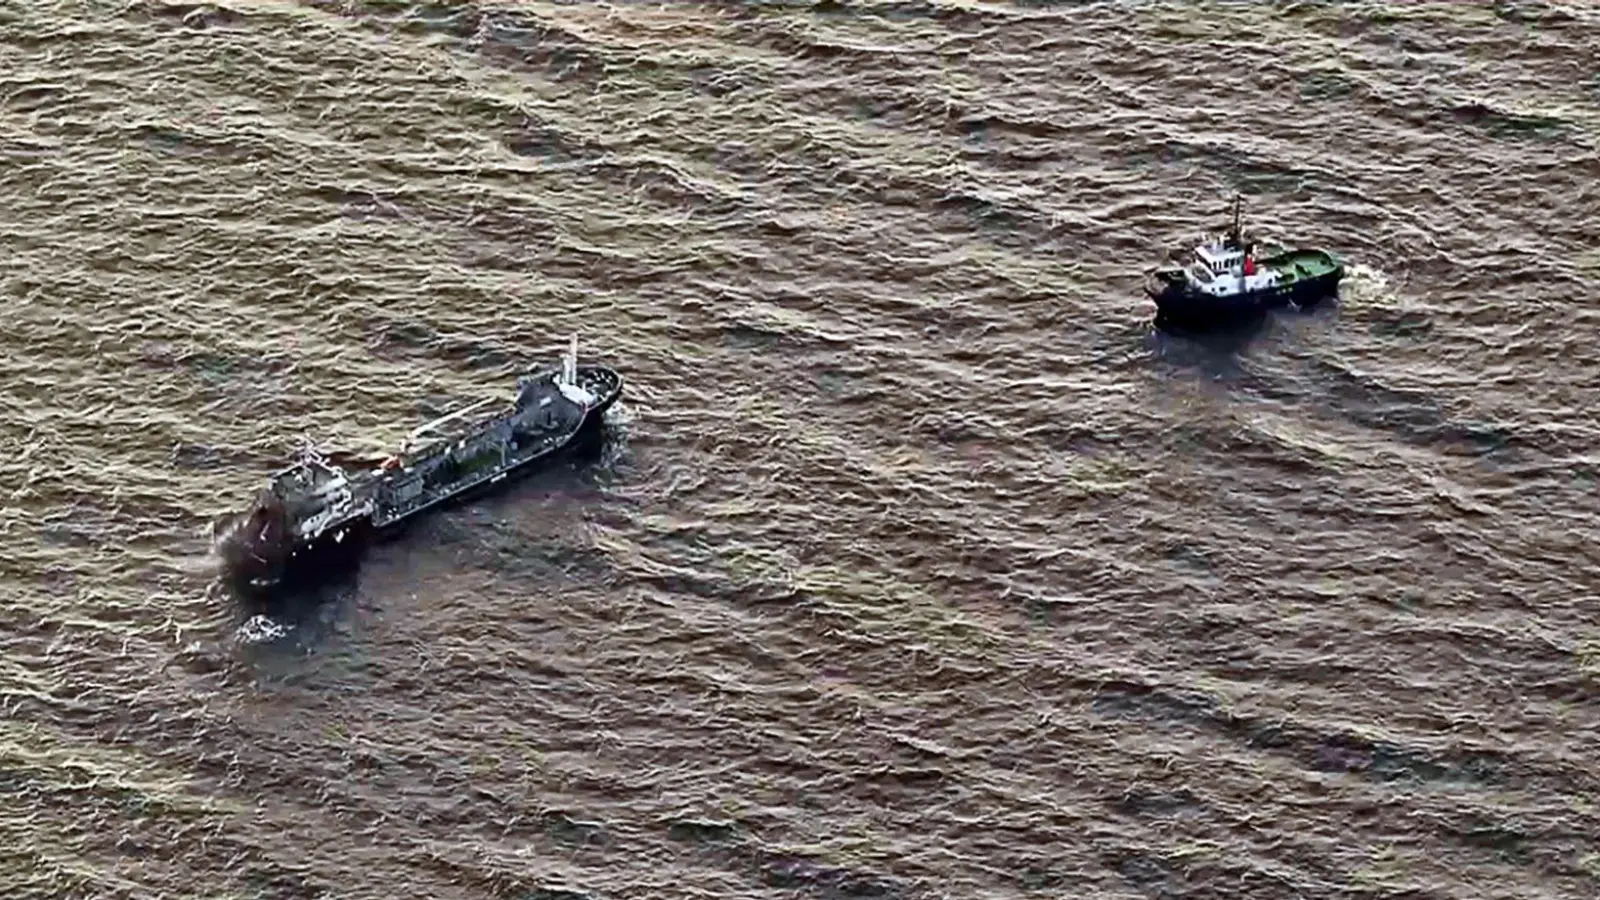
(1229, 279)
(1303, 264)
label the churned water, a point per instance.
(917, 564)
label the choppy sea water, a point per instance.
(918, 564)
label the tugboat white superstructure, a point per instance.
(1229, 278)
(313, 513)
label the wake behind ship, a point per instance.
(314, 514)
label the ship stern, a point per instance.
(1164, 285)
(254, 547)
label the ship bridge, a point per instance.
(1218, 257)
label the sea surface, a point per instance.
(917, 563)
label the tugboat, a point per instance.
(1228, 279)
(314, 514)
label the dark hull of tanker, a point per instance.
(393, 529)
(588, 429)
(1179, 305)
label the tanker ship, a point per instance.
(314, 514)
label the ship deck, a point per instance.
(473, 445)
(389, 514)
(1303, 264)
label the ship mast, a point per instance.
(569, 366)
(1238, 233)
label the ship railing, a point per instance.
(441, 441)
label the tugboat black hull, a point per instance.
(1179, 304)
